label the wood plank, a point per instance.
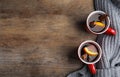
(44, 45)
(36, 41)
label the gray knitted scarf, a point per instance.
(109, 65)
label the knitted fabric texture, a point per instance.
(109, 65)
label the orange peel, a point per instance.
(97, 23)
(89, 52)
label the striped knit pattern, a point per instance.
(109, 65)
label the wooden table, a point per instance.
(34, 44)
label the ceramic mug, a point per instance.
(90, 64)
(94, 16)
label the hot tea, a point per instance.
(98, 22)
(89, 52)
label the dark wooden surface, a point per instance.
(39, 41)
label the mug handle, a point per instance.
(110, 31)
(92, 68)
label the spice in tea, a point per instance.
(102, 17)
(84, 56)
(90, 53)
(98, 22)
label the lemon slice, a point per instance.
(97, 23)
(90, 52)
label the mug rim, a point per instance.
(87, 22)
(96, 44)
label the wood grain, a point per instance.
(40, 44)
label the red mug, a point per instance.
(90, 64)
(93, 16)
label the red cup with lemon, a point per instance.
(98, 22)
(90, 52)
